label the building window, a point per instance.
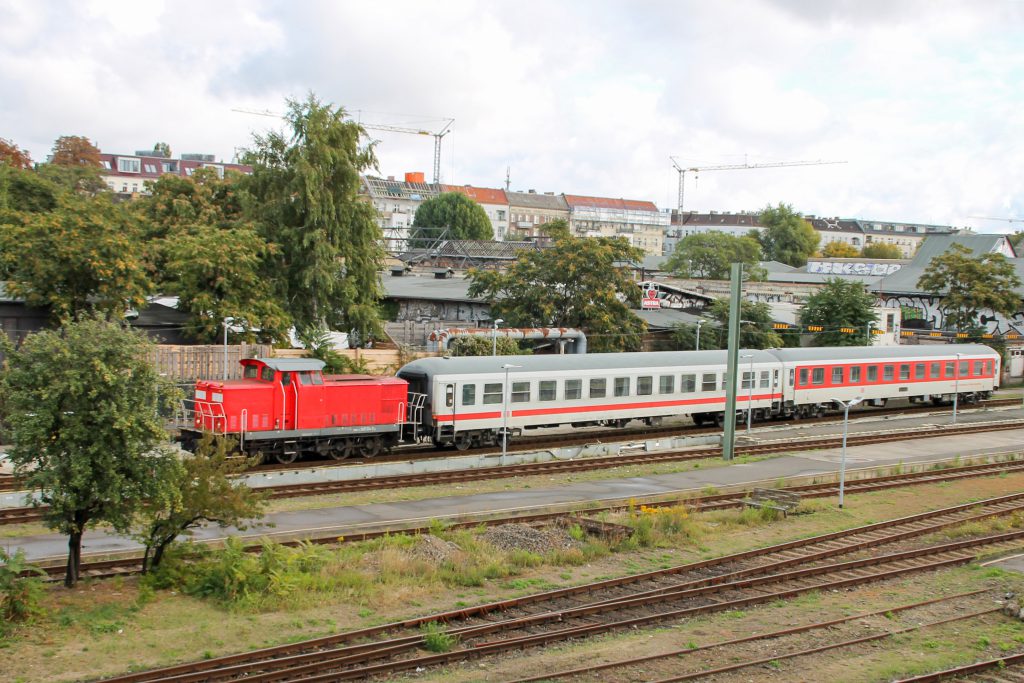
(105, 164)
(128, 165)
(168, 167)
(500, 214)
(217, 167)
(150, 168)
(189, 170)
(573, 389)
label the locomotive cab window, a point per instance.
(573, 389)
(468, 394)
(546, 390)
(493, 393)
(644, 386)
(267, 374)
(251, 372)
(598, 388)
(286, 378)
(622, 386)
(666, 384)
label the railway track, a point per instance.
(1008, 669)
(830, 562)
(22, 515)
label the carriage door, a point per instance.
(1016, 363)
(289, 396)
(776, 392)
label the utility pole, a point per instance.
(736, 167)
(729, 435)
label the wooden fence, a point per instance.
(189, 363)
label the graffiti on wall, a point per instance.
(929, 308)
(419, 310)
(849, 268)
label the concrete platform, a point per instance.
(349, 519)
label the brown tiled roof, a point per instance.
(610, 203)
(156, 162)
(484, 195)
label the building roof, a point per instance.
(715, 218)
(483, 195)
(665, 318)
(399, 189)
(426, 288)
(533, 200)
(576, 200)
(904, 281)
(151, 167)
(835, 224)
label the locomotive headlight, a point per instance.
(217, 397)
(200, 394)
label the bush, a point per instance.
(436, 638)
(19, 597)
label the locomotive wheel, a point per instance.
(463, 441)
(341, 450)
(369, 447)
(286, 457)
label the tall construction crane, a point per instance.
(736, 167)
(438, 136)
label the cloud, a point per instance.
(923, 99)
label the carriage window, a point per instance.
(837, 375)
(792, 374)
(950, 368)
(666, 384)
(494, 393)
(573, 389)
(977, 367)
(748, 380)
(598, 388)
(449, 395)
(520, 392)
(855, 374)
(725, 378)
(546, 390)
(936, 370)
(872, 373)
(964, 367)
(803, 377)
(622, 386)
(644, 386)
(688, 384)
(818, 376)
(988, 367)
(708, 381)
(889, 373)
(251, 372)
(905, 371)
(765, 379)
(919, 371)
(468, 394)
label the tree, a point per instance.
(163, 149)
(200, 488)
(578, 282)
(786, 236)
(968, 284)
(483, 346)
(461, 215)
(84, 255)
(684, 337)
(839, 250)
(80, 405)
(756, 331)
(12, 156)
(840, 303)
(708, 255)
(75, 150)
(24, 190)
(881, 250)
(303, 192)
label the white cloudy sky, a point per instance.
(923, 99)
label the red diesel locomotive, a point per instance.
(284, 407)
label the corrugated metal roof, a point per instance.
(292, 364)
(904, 280)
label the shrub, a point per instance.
(436, 638)
(19, 597)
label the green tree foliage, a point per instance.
(162, 149)
(303, 191)
(839, 250)
(12, 156)
(198, 489)
(19, 595)
(208, 253)
(881, 250)
(80, 405)
(755, 333)
(708, 255)
(840, 303)
(969, 284)
(463, 217)
(578, 282)
(83, 255)
(25, 190)
(75, 150)
(482, 346)
(786, 236)
(684, 337)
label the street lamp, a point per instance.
(750, 389)
(494, 337)
(504, 412)
(700, 321)
(846, 421)
(956, 385)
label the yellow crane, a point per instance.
(438, 135)
(736, 167)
